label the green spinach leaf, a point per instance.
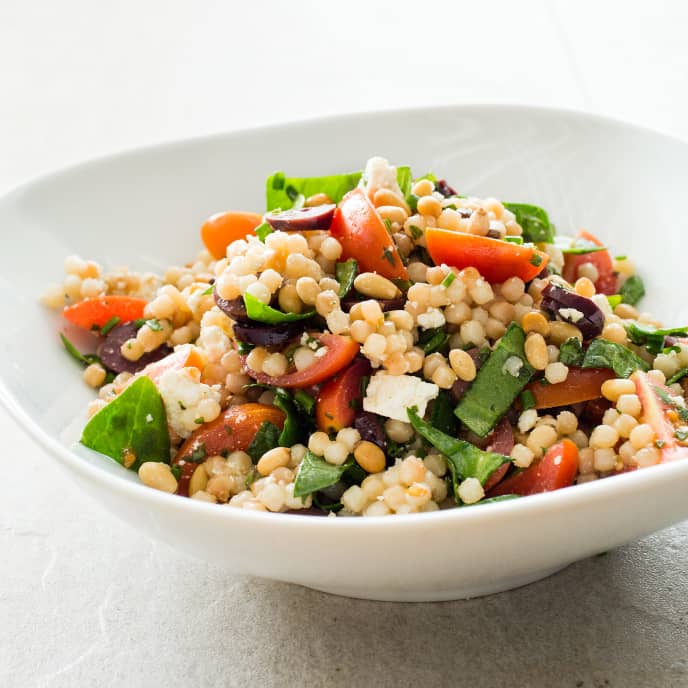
(283, 191)
(632, 290)
(293, 431)
(652, 338)
(265, 439)
(261, 312)
(135, 421)
(534, 221)
(316, 474)
(442, 414)
(571, 352)
(605, 354)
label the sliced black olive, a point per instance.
(589, 319)
(352, 298)
(444, 188)
(298, 220)
(369, 426)
(111, 355)
(260, 334)
(234, 308)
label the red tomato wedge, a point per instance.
(555, 470)
(607, 282)
(96, 312)
(220, 230)
(657, 413)
(232, 430)
(494, 259)
(581, 384)
(335, 407)
(339, 353)
(363, 236)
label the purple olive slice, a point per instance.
(301, 219)
(444, 188)
(111, 355)
(573, 308)
(234, 308)
(369, 426)
(260, 334)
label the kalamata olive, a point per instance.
(352, 298)
(444, 188)
(574, 308)
(369, 426)
(501, 440)
(234, 308)
(300, 219)
(111, 355)
(460, 387)
(260, 334)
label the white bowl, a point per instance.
(143, 209)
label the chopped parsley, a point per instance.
(388, 255)
(536, 260)
(154, 324)
(109, 325)
(447, 281)
(199, 453)
(263, 230)
(209, 290)
(416, 232)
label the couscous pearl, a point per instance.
(522, 456)
(604, 459)
(556, 373)
(603, 436)
(567, 423)
(471, 491)
(613, 389)
(630, 404)
(541, 439)
(336, 453)
(648, 456)
(641, 436)
(317, 442)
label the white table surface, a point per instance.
(86, 601)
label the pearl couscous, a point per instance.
(373, 345)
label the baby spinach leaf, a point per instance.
(261, 312)
(534, 221)
(283, 191)
(292, 432)
(465, 460)
(433, 340)
(346, 272)
(264, 440)
(135, 421)
(632, 290)
(304, 401)
(442, 414)
(571, 352)
(605, 354)
(652, 338)
(316, 474)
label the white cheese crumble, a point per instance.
(512, 366)
(379, 174)
(571, 314)
(214, 342)
(149, 418)
(188, 399)
(391, 395)
(432, 318)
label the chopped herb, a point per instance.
(154, 324)
(181, 405)
(677, 376)
(620, 257)
(514, 239)
(365, 380)
(416, 232)
(346, 272)
(199, 421)
(632, 290)
(244, 348)
(571, 352)
(199, 454)
(293, 430)
(388, 255)
(263, 230)
(265, 439)
(122, 427)
(113, 322)
(447, 281)
(659, 443)
(229, 430)
(85, 359)
(388, 224)
(465, 460)
(327, 506)
(283, 191)
(176, 471)
(316, 474)
(261, 312)
(209, 290)
(536, 260)
(402, 284)
(139, 323)
(534, 222)
(433, 340)
(412, 201)
(250, 479)
(679, 408)
(527, 399)
(495, 388)
(605, 354)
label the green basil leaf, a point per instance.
(304, 401)
(282, 191)
(134, 421)
(651, 337)
(534, 221)
(605, 354)
(404, 179)
(571, 352)
(261, 312)
(264, 440)
(346, 272)
(632, 290)
(465, 460)
(316, 474)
